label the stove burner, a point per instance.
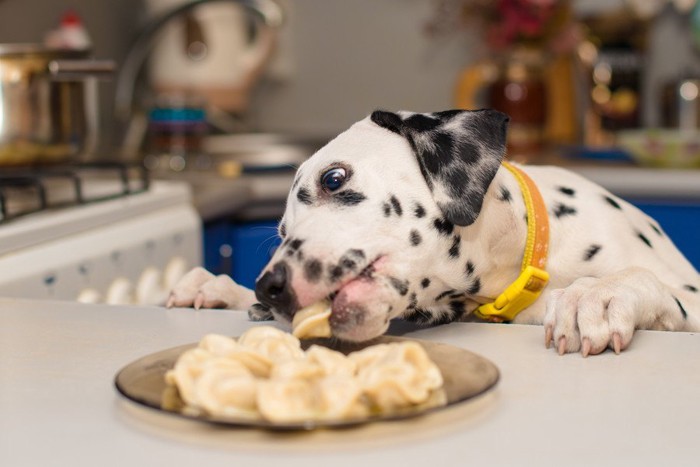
(28, 190)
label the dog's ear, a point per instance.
(459, 152)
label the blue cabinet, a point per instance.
(681, 222)
(239, 249)
(242, 249)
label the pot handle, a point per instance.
(73, 70)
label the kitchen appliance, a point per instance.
(48, 103)
(215, 51)
(208, 63)
(96, 233)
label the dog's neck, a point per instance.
(496, 241)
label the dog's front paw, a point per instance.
(259, 312)
(201, 289)
(590, 315)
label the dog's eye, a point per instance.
(333, 179)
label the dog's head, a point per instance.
(368, 213)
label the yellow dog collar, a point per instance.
(533, 278)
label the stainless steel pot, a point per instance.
(48, 103)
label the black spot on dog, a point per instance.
(680, 306)
(612, 202)
(444, 294)
(412, 300)
(591, 252)
(453, 312)
(567, 191)
(335, 272)
(388, 120)
(691, 288)
(304, 196)
(347, 263)
(359, 254)
(283, 230)
(656, 229)
(294, 244)
(643, 238)
(300, 255)
(386, 208)
(415, 238)
(312, 270)
(440, 153)
(475, 287)
(447, 115)
(348, 198)
(505, 195)
(400, 286)
(562, 210)
(443, 226)
(396, 205)
(457, 309)
(426, 282)
(420, 122)
(469, 268)
(418, 315)
(454, 249)
(457, 295)
(419, 211)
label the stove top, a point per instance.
(29, 190)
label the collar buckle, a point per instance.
(518, 296)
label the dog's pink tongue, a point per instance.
(354, 291)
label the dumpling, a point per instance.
(223, 346)
(218, 345)
(271, 343)
(227, 391)
(340, 398)
(187, 369)
(312, 321)
(397, 375)
(332, 363)
(287, 401)
(297, 369)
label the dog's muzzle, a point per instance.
(273, 289)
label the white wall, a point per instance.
(349, 57)
(352, 56)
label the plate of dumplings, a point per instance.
(268, 378)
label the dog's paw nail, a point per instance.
(617, 343)
(548, 336)
(585, 347)
(199, 301)
(562, 345)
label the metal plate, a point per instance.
(465, 375)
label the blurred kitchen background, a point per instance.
(191, 116)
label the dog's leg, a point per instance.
(592, 314)
(201, 289)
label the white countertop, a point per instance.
(58, 405)
(645, 183)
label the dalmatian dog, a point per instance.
(412, 216)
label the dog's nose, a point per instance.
(272, 289)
